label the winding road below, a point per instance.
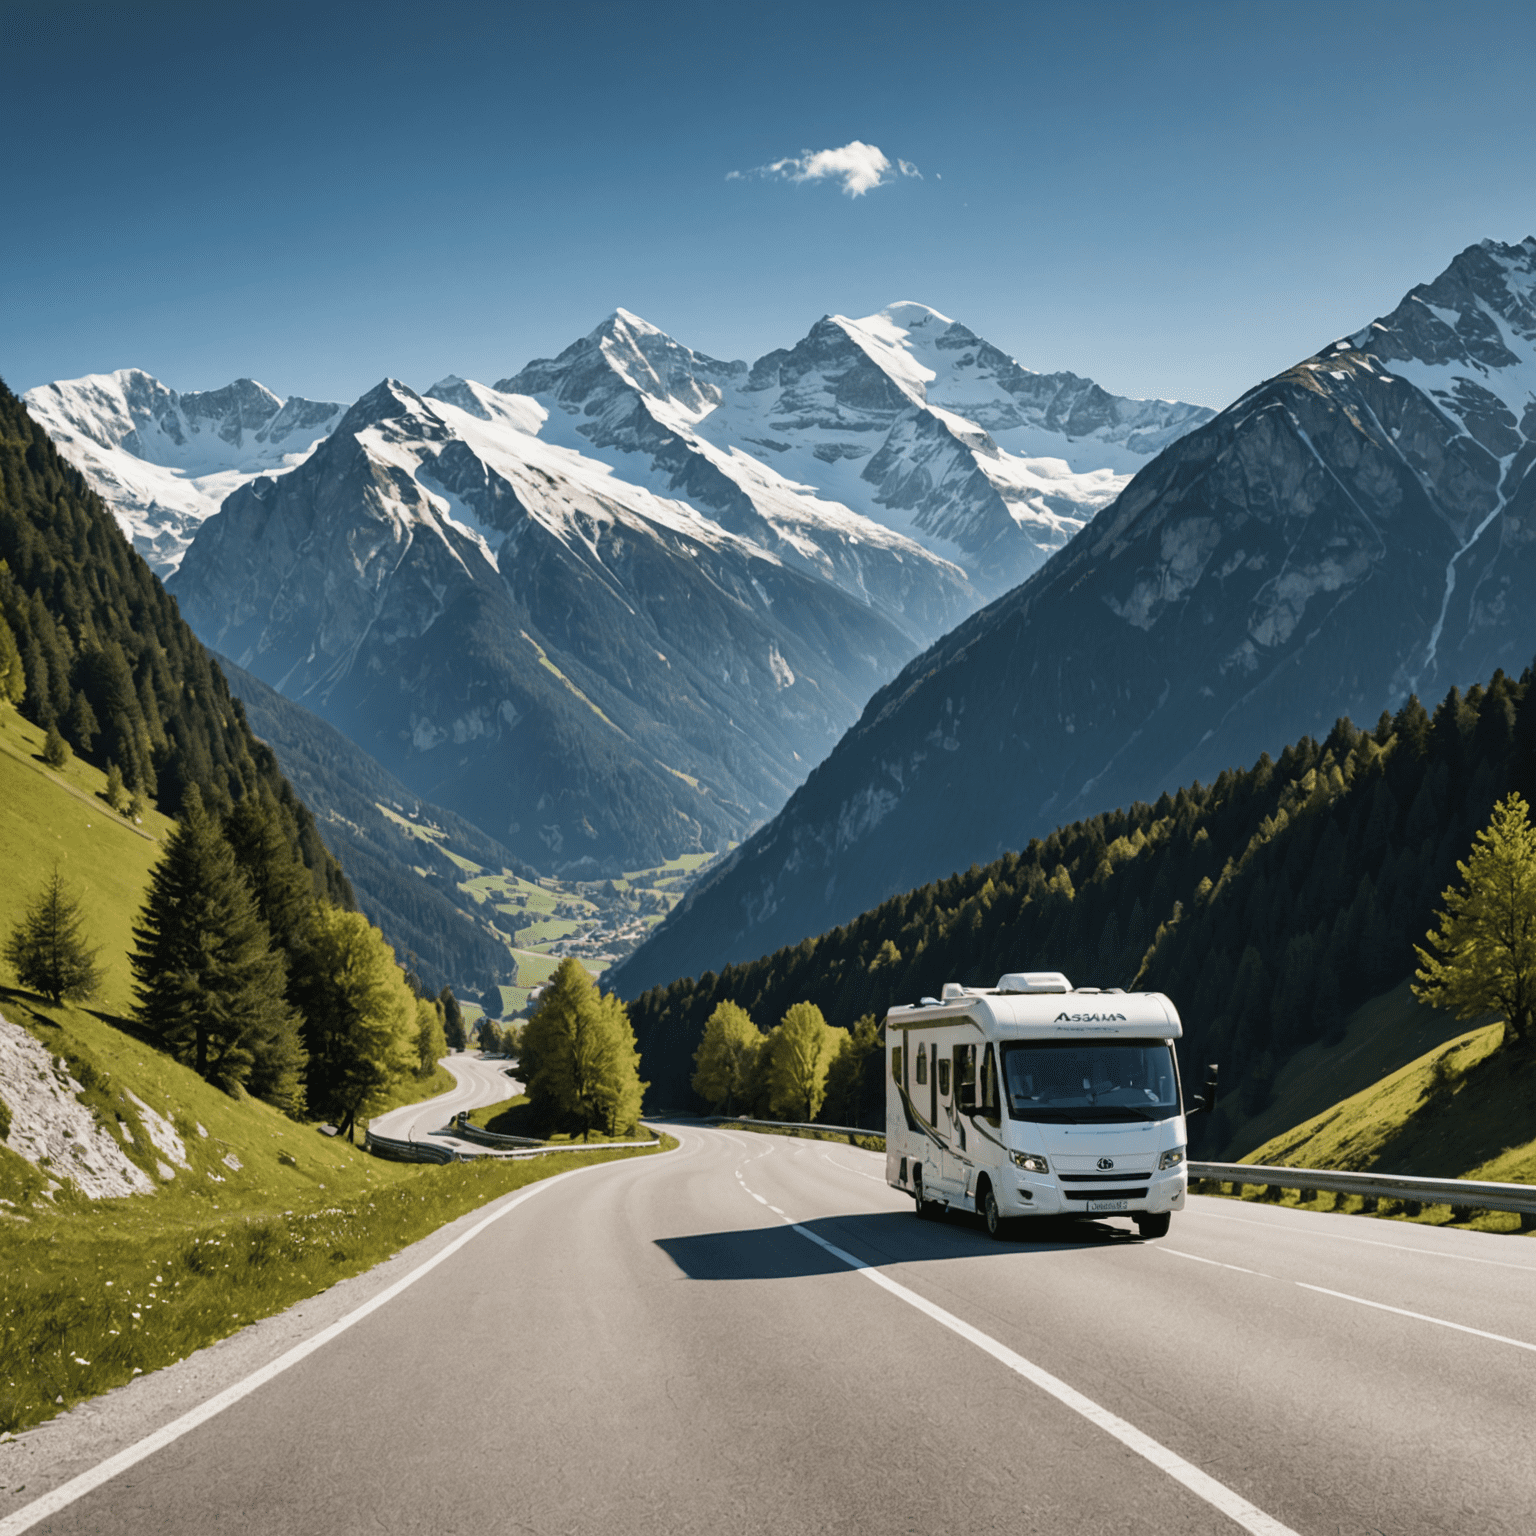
(478, 1080)
(754, 1333)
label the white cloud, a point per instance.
(858, 166)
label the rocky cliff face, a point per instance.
(164, 461)
(1359, 527)
(597, 676)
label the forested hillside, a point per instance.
(405, 882)
(107, 660)
(1266, 904)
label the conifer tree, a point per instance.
(46, 950)
(1487, 934)
(849, 1097)
(453, 1020)
(116, 792)
(13, 674)
(210, 985)
(267, 852)
(55, 749)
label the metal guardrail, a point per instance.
(434, 1152)
(397, 1151)
(460, 1126)
(1468, 1193)
(795, 1125)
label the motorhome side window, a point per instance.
(896, 1063)
(1080, 1081)
(922, 1063)
(986, 1097)
(943, 1063)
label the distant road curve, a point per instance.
(478, 1080)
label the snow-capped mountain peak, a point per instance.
(165, 461)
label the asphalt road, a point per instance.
(477, 1080)
(650, 1347)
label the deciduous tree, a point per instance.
(1487, 934)
(359, 1015)
(726, 1057)
(803, 1048)
(578, 1054)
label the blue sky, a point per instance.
(1174, 199)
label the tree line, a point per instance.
(801, 1068)
(1268, 904)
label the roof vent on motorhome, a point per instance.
(952, 990)
(1034, 981)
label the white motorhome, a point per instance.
(1035, 1098)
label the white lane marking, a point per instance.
(1422, 1317)
(1201, 1484)
(1179, 1253)
(877, 1177)
(65, 1494)
(1373, 1242)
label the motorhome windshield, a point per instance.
(1071, 1081)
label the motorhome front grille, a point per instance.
(1102, 1178)
(1105, 1194)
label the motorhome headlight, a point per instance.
(1171, 1159)
(1029, 1162)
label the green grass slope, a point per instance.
(1382, 1036)
(60, 815)
(1457, 1111)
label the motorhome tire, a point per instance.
(927, 1210)
(1154, 1224)
(996, 1226)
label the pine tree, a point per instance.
(46, 949)
(13, 674)
(55, 749)
(453, 1020)
(80, 725)
(1487, 934)
(268, 855)
(210, 985)
(116, 792)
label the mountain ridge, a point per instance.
(1240, 592)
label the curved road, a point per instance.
(754, 1333)
(477, 1080)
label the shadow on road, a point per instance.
(881, 1239)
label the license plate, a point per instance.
(1109, 1205)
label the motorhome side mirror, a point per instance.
(965, 1093)
(1208, 1098)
